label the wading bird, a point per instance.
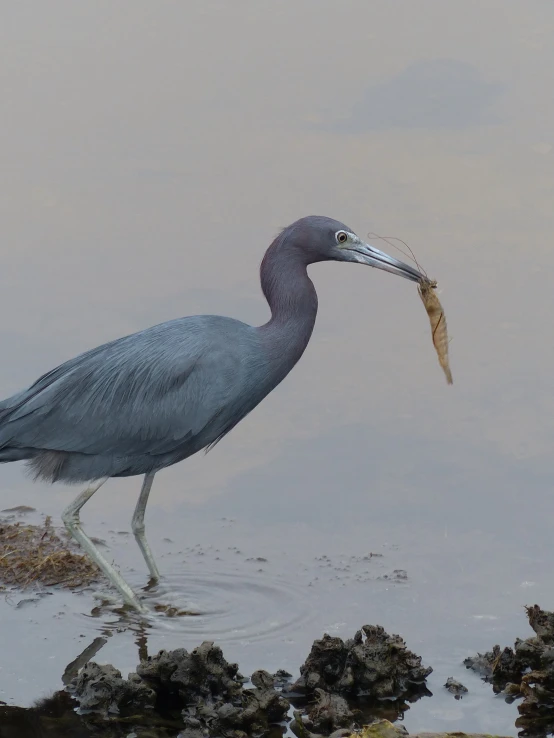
(148, 400)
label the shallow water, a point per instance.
(149, 154)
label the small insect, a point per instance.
(426, 289)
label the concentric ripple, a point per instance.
(227, 606)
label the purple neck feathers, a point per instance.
(293, 301)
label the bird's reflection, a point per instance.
(56, 716)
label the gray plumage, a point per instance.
(153, 398)
(136, 404)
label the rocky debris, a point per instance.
(267, 697)
(381, 729)
(300, 726)
(525, 671)
(398, 575)
(210, 692)
(329, 714)
(499, 666)
(282, 679)
(206, 696)
(373, 665)
(102, 689)
(537, 708)
(385, 729)
(203, 674)
(542, 623)
(252, 714)
(205, 690)
(56, 716)
(456, 688)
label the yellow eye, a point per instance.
(342, 237)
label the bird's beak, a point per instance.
(363, 253)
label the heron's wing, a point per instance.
(142, 394)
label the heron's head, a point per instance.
(325, 239)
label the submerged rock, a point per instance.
(499, 666)
(282, 679)
(373, 665)
(456, 688)
(525, 671)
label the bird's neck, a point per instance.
(292, 299)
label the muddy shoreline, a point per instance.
(343, 686)
(359, 686)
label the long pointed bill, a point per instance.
(363, 253)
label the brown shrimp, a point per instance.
(426, 289)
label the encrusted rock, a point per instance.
(456, 688)
(202, 673)
(373, 664)
(525, 671)
(103, 689)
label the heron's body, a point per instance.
(151, 399)
(148, 400)
(137, 404)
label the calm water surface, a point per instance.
(149, 153)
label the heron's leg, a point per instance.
(137, 526)
(70, 517)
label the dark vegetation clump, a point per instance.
(526, 671)
(36, 554)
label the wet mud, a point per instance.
(524, 672)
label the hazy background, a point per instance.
(149, 153)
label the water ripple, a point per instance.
(229, 607)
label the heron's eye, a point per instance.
(342, 237)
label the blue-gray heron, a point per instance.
(148, 400)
